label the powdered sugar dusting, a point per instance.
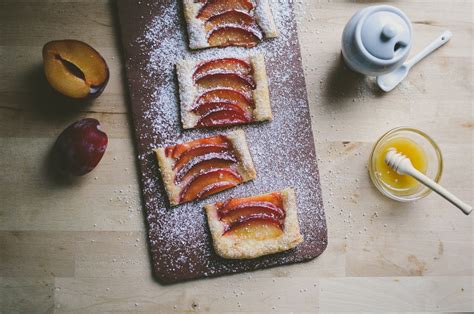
(179, 237)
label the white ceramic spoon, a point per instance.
(402, 165)
(389, 81)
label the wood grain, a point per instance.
(421, 261)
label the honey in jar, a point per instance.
(390, 177)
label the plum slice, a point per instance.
(231, 17)
(224, 65)
(261, 228)
(200, 150)
(234, 81)
(209, 182)
(257, 217)
(233, 35)
(251, 211)
(207, 107)
(177, 151)
(75, 69)
(223, 117)
(203, 163)
(223, 95)
(274, 198)
(222, 114)
(250, 207)
(211, 8)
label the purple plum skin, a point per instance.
(80, 147)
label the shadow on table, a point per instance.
(48, 104)
(342, 85)
(53, 176)
(390, 207)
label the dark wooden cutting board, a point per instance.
(154, 39)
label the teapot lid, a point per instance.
(386, 33)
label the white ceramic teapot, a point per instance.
(377, 40)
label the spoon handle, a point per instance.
(438, 42)
(466, 208)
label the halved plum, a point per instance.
(256, 229)
(231, 17)
(177, 150)
(224, 65)
(216, 7)
(209, 182)
(203, 163)
(227, 35)
(224, 95)
(75, 69)
(235, 81)
(223, 117)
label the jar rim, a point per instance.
(381, 188)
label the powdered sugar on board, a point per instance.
(282, 150)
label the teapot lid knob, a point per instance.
(389, 31)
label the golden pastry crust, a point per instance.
(264, 17)
(245, 166)
(196, 30)
(261, 96)
(236, 248)
(168, 175)
(188, 91)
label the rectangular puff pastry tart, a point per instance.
(223, 92)
(222, 23)
(249, 227)
(202, 167)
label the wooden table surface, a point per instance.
(81, 245)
